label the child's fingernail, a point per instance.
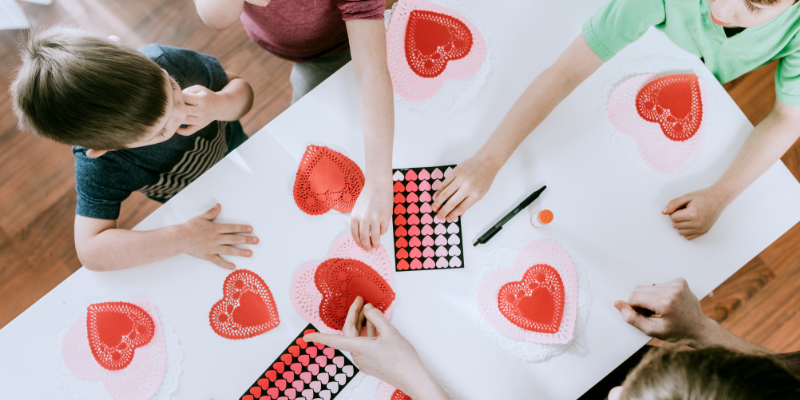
(368, 306)
(618, 306)
(254, 240)
(664, 211)
(249, 228)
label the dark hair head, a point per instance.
(768, 2)
(81, 89)
(711, 373)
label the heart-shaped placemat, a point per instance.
(433, 39)
(326, 180)
(536, 302)
(115, 330)
(674, 102)
(246, 309)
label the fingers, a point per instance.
(438, 203)
(370, 330)
(377, 319)
(216, 259)
(686, 214)
(676, 204)
(212, 213)
(633, 318)
(233, 251)
(461, 208)
(374, 231)
(336, 341)
(354, 231)
(234, 228)
(444, 213)
(441, 196)
(650, 301)
(351, 326)
(363, 234)
(238, 239)
(683, 225)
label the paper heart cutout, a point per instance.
(247, 308)
(321, 360)
(655, 146)
(326, 180)
(115, 330)
(399, 395)
(415, 253)
(536, 302)
(675, 103)
(433, 39)
(414, 242)
(428, 264)
(427, 230)
(323, 292)
(441, 240)
(426, 219)
(413, 219)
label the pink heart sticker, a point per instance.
(424, 174)
(427, 230)
(312, 351)
(314, 369)
(425, 197)
(298, 384)
(304, 359)
(448, 171)
(424, 186)
(323, 377)
(436, 184)
(415, 253)
(413, 231)
(340, 378)
(414, 242)
(308, 394)
(441, 240)
(273, 392)
(413, 219)
(305, 376)
(325, 394)
(330, 369)
(412, 208)
(348, 370)
(281, 384)
(416, 264)
(290, 393)
(426, 219)
(316, 385)
(437, 174)
(412, 198)
(428, 264)
(455, 262)
(339, 361)
(428, 252)
(426, 208)
(440, 229)
(333, 387)
(322, 361)
(441, 251)
(442, 263)
(289, 376)
(427, 241)
(296, 367)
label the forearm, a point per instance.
(219, 13)
(426, 388)
(765, 145)
(115, 249)
(713, 334)
(236, 99)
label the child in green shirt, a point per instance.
(732, 37)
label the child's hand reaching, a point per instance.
(202, 238)
(467, 184)
(371, 215)
(694, 214)
(388, 357)
(201, 109)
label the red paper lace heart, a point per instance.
(340, 280)
(673, 102)
(535, 303)
(115, 330)
(326, 179)
(247, 308)
(433, 39)
(399, 395)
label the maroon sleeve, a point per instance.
(361, 9)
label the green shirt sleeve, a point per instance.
(787, 80)
(620, 23)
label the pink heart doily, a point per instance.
(305, 296)
(656, 150)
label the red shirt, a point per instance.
(304, 30)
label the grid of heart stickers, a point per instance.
(304, 371)
(422, 241)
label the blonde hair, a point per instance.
(710, 373)
(78, 88)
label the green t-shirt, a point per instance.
(688, 24)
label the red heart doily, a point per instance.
(536, 303)
(247, 308)
(115, 330)
(674, 102)
(340, 280)
(326, 179)
(433, 39)
(399, 395)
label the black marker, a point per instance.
(498, 226)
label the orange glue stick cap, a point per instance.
(543, 218)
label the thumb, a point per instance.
(212, 213)
(377, 318)
(336, 341)
(632, 317)
(675, 204)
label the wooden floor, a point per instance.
(37, 195)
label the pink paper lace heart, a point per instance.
(656, 150)
(534, 253)
(305, 296)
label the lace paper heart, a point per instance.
(247, 308)
(326, 180)
(428, 44)
(311, 302)
(529, 267)
(388, 392)
(115, 330)
(658, 148)
(143, 375)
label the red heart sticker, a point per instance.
(673, 102)
(433, 39)
(340, 281)
(535, 303)
(115, 330)
(326, 179)
(247, 308)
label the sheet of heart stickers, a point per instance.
(304, 371)
(422, 241)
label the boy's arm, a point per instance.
(372, 212)
(103, 247)
(470, 181)
(221, 14)
(204, 106)
(695, 213)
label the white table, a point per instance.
(606, 216)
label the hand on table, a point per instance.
(467, 184)
(388, 357)
(201, 108)
(694, 214)
(371, 215)
(202, 238)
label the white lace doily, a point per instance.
(501, 257)
(77, 388)
(454, 93)
(628, 150)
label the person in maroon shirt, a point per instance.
(320, 36)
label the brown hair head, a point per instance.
(711, 373)
(81, 89)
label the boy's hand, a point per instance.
(260, 3)
(371, 215)
(467, 184)
(694, 214)
(202, 238)
(201, 109)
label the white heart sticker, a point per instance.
(455, 262)
(398, 176)
(453, 228)
(455, 251)
(453, 239)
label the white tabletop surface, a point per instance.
(607, 217)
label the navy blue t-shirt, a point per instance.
(160, 170)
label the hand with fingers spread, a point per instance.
(371, 215)
(467, 184)
(694, 214)
(201, 109)
(671, 312)
(383, 353)
(202, 238)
